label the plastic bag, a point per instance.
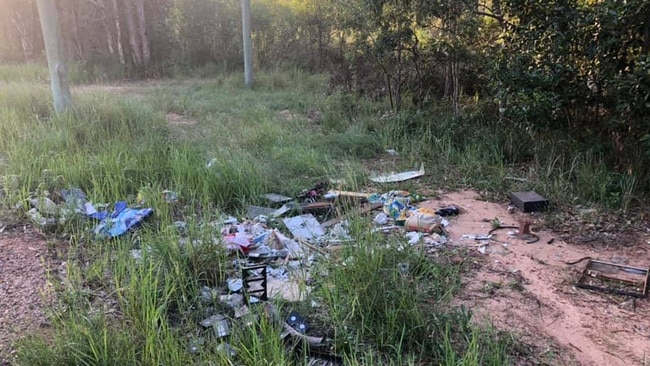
(423, 223)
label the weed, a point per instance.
(385, 302)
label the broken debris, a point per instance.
(399, 177)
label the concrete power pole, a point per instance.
(248, 47)
(55, 55)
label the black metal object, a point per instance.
(615, 278)
(251, 276)
(529, 201)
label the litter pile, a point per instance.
(74, 205)
(268, 261)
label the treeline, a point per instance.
(576, 66)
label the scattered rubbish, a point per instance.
(304, 226)
(180, 225)
(277, 198)
(523, 234)
(222, 329)
(476, 237)
(212, 321)
(255, 282)
(219, 323)
(399, 177)
(196, 344)
(44, 206)
(232, 300)
(387, 229)
(483, 248)
(391, 152)
(435, 240)
(395, 208)
(237, 242)
(226, 349)
(241, 311)
(39, 220)
(169, 196)
(413, 237)
(380, 219)
(340, 231)
(614, 278)
(136, 254)
(121, 220)
(529, 201)
(74, 197)
(207, 294)
(235, 284)
(364, 209)
(423, 223)
(255, 211)
(448, 211)
(314, 193)
(403, 267)
(297, 322)
(212, 162)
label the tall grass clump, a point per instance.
(24, 72)
(389, 301)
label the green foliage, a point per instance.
(578, 67)
(394, 300)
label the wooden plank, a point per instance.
(351, 194)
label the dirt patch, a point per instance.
(179, 120)
(313, 116)
(23, 287)
(528, 289)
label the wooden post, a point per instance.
(55, 55)
(248, 47)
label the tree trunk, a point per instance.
(248, 46)
(136, 52)
(118, 32)
(55, 55)
(26, 43)
(142, 28)
(75, 30)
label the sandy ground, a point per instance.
(23, 287)
(528, 289)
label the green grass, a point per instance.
(384, 304)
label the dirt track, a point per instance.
(528, 289)
(23, 287)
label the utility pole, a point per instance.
(55, 55)
(248, 47)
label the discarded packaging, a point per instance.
(413, 237)
(399, 177)
(227, 349)
(211, 321)
(422, 223)
(448, 211)
(297, 322)
(277, 198)
(235, 284)
(304, 226)
(381, 219)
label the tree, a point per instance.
(55, 55)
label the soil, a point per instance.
(529, 289)
(24, 289)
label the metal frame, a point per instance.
(590, 273)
